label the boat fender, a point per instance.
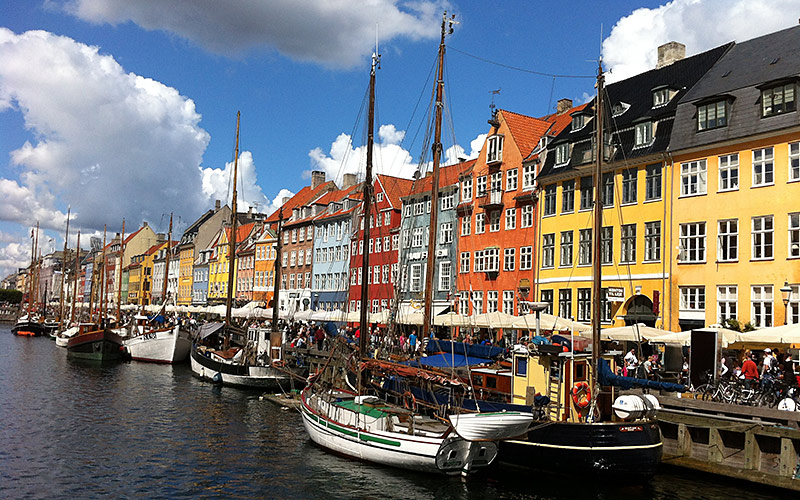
(409, 401)
(581, 394)
(217, 378)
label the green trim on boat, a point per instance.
(367, 410)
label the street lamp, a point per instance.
(786, 294)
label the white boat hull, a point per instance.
(258, 377)
(329, 428)
(160, 346)
(493, 426)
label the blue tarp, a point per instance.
(448, 360)
(607, 377)
(400, 385)
(158, 319)
(472, 350)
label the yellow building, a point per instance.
(266, 250)
(736, 190)
(634, 263)
(218, 268)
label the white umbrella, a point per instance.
(453, 319)
(633, 333)
(496, 319)
(335, 315)
(303, 315)
(550, 322)
(380, 317)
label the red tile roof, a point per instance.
(394, 187)
(526, 130)
(448, 175)
(303, 197)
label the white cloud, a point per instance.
(277, 201)
(333, 33)
(631, 48)
(216, 184)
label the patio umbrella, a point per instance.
(496, 319)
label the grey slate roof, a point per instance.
(737, 75)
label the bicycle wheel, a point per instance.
(706, 392)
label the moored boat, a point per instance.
(159, 345)
(28, 327)
(95, 344)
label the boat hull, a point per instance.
(630, 449)
(256, 377)
(28, 329)
(160, 346)
(491, 426)
(97, 345)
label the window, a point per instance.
(508, 301)
(407, 210)
(794, 161)
(628, 243)
(386, 246)
(727, 299)
(528, 176)
(548, 250)
(712, 115)
(525, 258)
(479, 263)
(294, 235)
(416, 277)
(466, 189)
(494, 149)
(419, 207)
(794, 235)
(491, 301)
(793, 307)
(567, 197)
(653, 182)
(693, 178)
(660, 97)
(777, 100)
(511, 179)
(480, 223)
(566, 249)
(652, 241)
(445, 269)
(629, 179)
(509, 259)
(549, 200)
(371, 246)
(378, 245)
(446, 233)
(480, 188)
(608, 189)
(692, 242)
(693, 298)
(562, 154)
(491, 260)
(584, 304)
(464, 262)
(728, 240)
(466, 223)
(387, 219)
(761, 305)
(418, 237)
(587, 193)
(578, 122)
(605, 306)
(379, 197)
(763, 167)
(526, 216)
(607, 245)
(494, 221)
(729, 172)
(406, 240)
(511, 218)
(463, 304)
(395, 242)
(477, 302)
(293, 259)
(565, 303)
(547, 296)
(762, 237)
(291, 281)
(585, 247)
(448, 201)
(643, 134)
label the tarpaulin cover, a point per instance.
(209, 329)
(330, 329)
(159, 318)
(472, 350)
(607, 377)
(448, 360)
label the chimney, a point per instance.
(348, 180)
(563, 106)
(216, 205)
(285, 200)
(317, 178)
(669, 53)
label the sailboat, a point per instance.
(151, 342)
(236, 366)
(575, 438)
(351, 420)
(28, 325)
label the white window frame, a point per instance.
(494, 149)
(693, 178)
(509, 259)
(466, 225)
(627, 244)
(565, 246)
(692, 299)
(511, 218)
(528, 176)
(727, 302)
(480, 223)
(762, 307)
(794, 161)
(764, 167)
(464, 264)
(512, 179)
(692, 243)
(562, 155)
(652, 241)
(548, 251)
(762, 229)
(508, 302)
(794, 235)
(643, 134)
(466, 189)
(446, 233)
(448, 201)
(728, 172)
(494, 221)
(525, 258)
(445, 275)
(526, 216)
(728, 240)
(492, 298)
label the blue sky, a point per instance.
(127, 108)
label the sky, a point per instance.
(117, 109)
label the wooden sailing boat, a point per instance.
(580, 440)
(29, 324)
(154, 342)
(233, 365)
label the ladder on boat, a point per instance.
(554, 389)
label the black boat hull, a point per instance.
(28, 329)
(630, 449)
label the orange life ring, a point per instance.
(581, 394)
(409, 401)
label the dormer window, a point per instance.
(712, 115)
(543, 141)
(379, 197)
(644, 134)
(494, 149)
(661, 97)
(562, 154)
(619, 108)
(778, 99)
(578, 121)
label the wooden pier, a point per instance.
(750, 443)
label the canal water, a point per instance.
(138, 430)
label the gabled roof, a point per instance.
(525, 130)
(394, 187)
(448, 176)
(303, 197)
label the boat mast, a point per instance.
(30, 270)
(77, 270)
(598, 225)
(63, 273)
(275, 271)
(119, 284)
(166, 264)
(103, 284)
(232, 242)
(447, 27)
(367, 204)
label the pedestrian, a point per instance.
(319, 336)
(749, 370)
(631, 362)
(412, 341)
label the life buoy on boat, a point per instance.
(581, 394)
(409, 401)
